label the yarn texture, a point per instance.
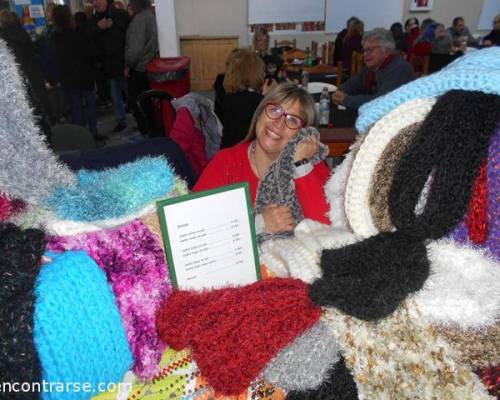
(479, 70)
(114, 192)
(400, 357)
(28, 169)
(305, 363)
(134, 263)
(339, 385)
(235, 332)
(461, 232)
(20, 254)
(75, 343)
(278, 186)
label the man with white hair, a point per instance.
(382, 73)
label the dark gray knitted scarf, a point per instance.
(278, 186)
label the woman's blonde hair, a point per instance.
(246, 70)
(282, 94)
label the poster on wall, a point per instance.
(420, 5)
(32, 15)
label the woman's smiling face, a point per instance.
(272, 135)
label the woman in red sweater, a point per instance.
(279, 117)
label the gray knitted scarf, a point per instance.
(205, 120)
(278, 186)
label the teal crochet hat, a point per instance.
(78, 331)
(478, 71)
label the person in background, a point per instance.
(260, 44)
(108, 27)
(281, 114)
(218, 87)
(141, 46)
(460, 33)
(425, 23)
(352, 42)
(337, 50)
(20, 44)
(119, 5)
(382, 72)
(245, 84)
(443, 43)
(88, 9)
(399, 39)
(77, 62)
(493, 38)
(412, 31)
(81, 21)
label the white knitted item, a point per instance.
(358, 185)
(299, 257)
(401, 357)
(336, 185)
(463, 289)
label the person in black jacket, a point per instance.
(77, 60)
(245, 86)
(108, 28)
(493, 38)
(339, 40)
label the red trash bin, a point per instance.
(171, 75)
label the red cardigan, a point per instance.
(233, 166)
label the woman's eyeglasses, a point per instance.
(275, 111)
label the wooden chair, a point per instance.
(357, 63)
(290, 55)
(327, 69)
(420, 64)
(290, 44)
(329, 52)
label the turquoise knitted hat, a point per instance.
(78, 330)
(479, 71)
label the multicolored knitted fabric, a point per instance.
(133, 260)
(114, 192)
(479, 70)
(357, 194)
(28, 169)
(9, 207)
(20, 254)
(400, 357)
(492, 242)
(478, 348)
(235, 332)
(78, 330)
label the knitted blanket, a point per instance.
(134, 262)
(479, 70)
(114, 192)
(20, 253)
(363, 168)
(235, 332)
(492, 187)
(400, 357)
(28, 169)
(278, 186)
(78, 330)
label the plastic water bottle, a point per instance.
(324, 107)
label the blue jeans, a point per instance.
(118, 88)
(77, 99)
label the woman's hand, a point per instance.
(306, 149)
(277, 219)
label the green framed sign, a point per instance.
(209, 238)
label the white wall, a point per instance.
(230, 17)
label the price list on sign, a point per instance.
(209, 238)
